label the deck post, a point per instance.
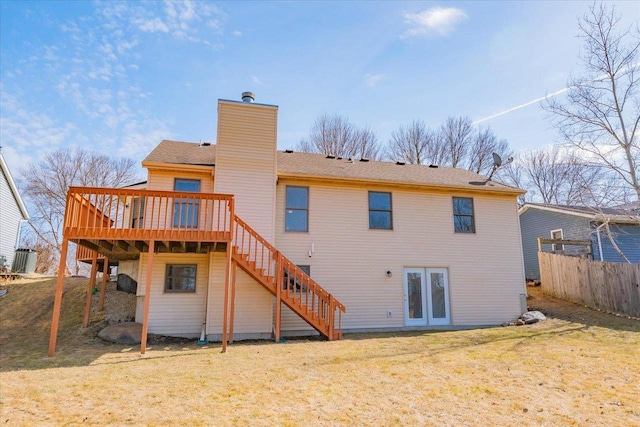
(147, 296)
(278, 297)
(225, 320)
(234, 274)
(57, 302)
(105, 276)
(92, 284)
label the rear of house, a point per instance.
(399, 246)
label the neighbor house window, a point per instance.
(180, 278)
(296, 214)
(293, 283)
(380, 211)
(186, 210)
(463, 221)
(557, 235)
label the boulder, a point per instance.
(532, 317)
(122, 333)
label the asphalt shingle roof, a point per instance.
(319, 166)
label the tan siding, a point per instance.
(246, 161)
(180, 314)
(164, 179)
(252, 302)
(485, 268)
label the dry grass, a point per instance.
(579, 367)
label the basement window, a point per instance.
(292, 283)
(180, 278)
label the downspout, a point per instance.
(22, 221)
(202, 340)
(599, 242)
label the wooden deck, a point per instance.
(111, 225)
(119, 223)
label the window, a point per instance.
(292, 283)
(380, 211)
(185, 211)
(463, 221)
(180, 278)
(296, 215)
(557, 234)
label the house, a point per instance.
(12, 213)
(240, 240)
(579, 223)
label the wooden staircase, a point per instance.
(288, 283)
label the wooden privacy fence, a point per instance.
(610, 286)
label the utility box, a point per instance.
(24, 261)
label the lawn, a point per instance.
(579, 367)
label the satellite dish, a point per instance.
(497, 160)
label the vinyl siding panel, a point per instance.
(174, 314)
(253, 318)
(485, 268)
(246, 161)
(164, 180)
(626, 237)
(10, 217)
(536, 223)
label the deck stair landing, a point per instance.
(287, 282)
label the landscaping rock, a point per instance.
(532, 317)
(122, 333)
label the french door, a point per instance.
(426, 297)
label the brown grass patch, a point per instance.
(578, 367)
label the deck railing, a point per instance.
(122, 214)
(283, 278)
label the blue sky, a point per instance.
(118, 77)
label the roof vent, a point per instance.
(364, 160)
(329, 156)
(288, 151)
(339, 158)
(248, 97)
(400, 163)
(204, 144)
(433, 166)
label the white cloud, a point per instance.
(151, 25)
(257, 81)
(372, 80)
(438, 20)
(236, 33)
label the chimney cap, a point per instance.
(248, 97)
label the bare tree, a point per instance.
(337, 136)
(479, 158)
(46, 184)
(411, 144)
(455, 136)
(366, 144)
(601, 113)
(554, 175)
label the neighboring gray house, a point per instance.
(12, 213)
(578, 223)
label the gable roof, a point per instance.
(322, 167)
(13, 188)
(592, 213)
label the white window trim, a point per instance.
(553, 246)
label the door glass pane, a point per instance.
(414, 295)
(437, 296)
